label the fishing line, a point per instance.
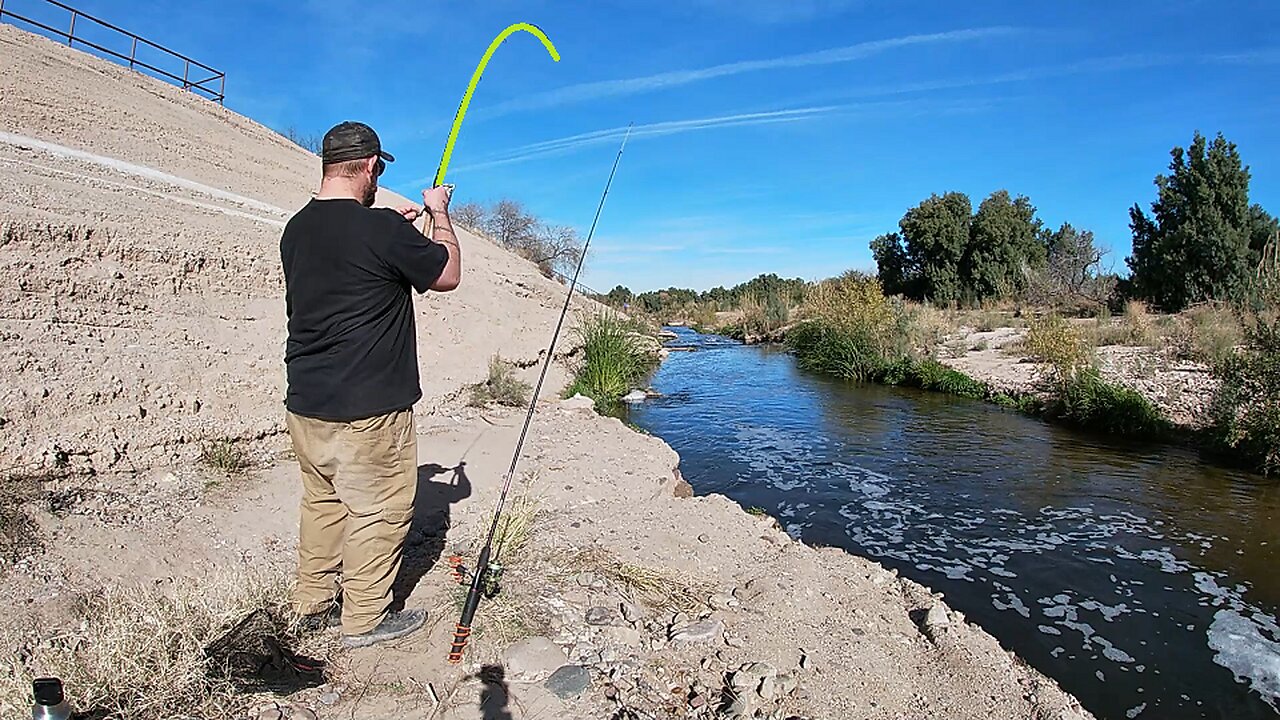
(484, 578)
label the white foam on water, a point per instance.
(1134, 712)
(1242, 645)
(1048, 630)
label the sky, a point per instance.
(769, 135)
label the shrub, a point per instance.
(823, 347)
(224, 455)
(1245, 412)
(502, 386)
(1051, 339)
(1208, 333)
(1087, 400)
(614, 357)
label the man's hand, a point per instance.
(436, 200)
(410, 212)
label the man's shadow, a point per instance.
(431, 510)
(495, 697)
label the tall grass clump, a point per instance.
(1079, 394)
(616, 354)
(850, 330)
(502, 386)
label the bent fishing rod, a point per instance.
(487, 573)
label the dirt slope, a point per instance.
(140, 288)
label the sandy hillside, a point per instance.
(140, 285)
(143, 313)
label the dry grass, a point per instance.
(515, 527)
(655, 588)
(502, 386)
(137, 653)
(1208, 333)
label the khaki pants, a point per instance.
(359, 480)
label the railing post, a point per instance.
(222, 87)
(132, 51)
(71, 35)
(186, 69)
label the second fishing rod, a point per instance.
(486, 575)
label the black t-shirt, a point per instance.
(348, 271)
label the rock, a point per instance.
(768, 688)
(787, 684)
(577, 402)
(329, 698)
(723, 601)
(936, 617)
(271, 714)
(753, 589)
(589, 579)
(569, 681)
(739, 708)
(600, 615)
(704, 538)
(533, 659)
(300, 713)
(805, 662)
(697, 701)
(630, 612)
(634, 396)
(623, 636)
(751, 675)
(733, 641)
(698, 632)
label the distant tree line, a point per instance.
(672, 301)
(1202, 242)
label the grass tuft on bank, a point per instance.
(616, 355)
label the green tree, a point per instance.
(936, 234)
(1004, 245)
(897, 272)
(1203, 237)
(619, 296)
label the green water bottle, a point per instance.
(50, 703)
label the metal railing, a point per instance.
(203, 86)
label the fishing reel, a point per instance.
(490, 577)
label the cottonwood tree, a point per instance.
(935, 234)
(1203, 238)
(1004, 247)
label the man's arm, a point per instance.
(436, 202)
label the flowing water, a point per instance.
(1144, 581)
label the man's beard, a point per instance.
(370, 192)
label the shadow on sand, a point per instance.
(431, 511)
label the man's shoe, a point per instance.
(329, 619)
(394, 625)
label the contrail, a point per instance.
(674, 78)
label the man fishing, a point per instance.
(352, 368)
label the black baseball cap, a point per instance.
(351, 141)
